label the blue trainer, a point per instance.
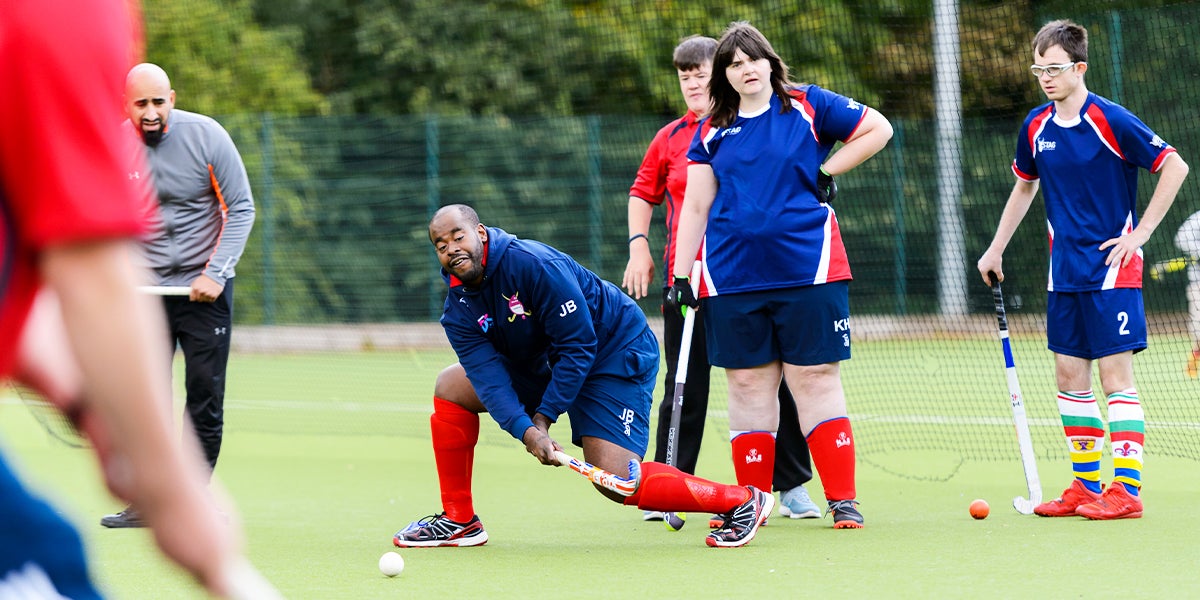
(796, 504)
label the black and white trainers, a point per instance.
(130, 517)
(439, 530)
(845, 515)
(743, 521)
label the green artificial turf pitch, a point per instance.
(328, 455)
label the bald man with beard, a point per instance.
(205, 212)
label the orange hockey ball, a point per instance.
(980, 509)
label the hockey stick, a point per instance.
(55, 422)
(621, 485)
(1028, 460)
(165, 290)
(61, 426)
(676, 521)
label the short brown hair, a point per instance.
(694, 51)
(1070, 36)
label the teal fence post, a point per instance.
(901, 283)
(267, 220)
(1117, 46)
(596, 231)
(433, 196)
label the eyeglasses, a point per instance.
(1051, 70)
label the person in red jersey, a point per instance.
(72, 324)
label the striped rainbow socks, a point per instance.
(1127, 430)
(1085, 435)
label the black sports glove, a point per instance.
(680, 295)
(826, 187)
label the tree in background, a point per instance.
(537, 108)
(224, 64)
(552, 57)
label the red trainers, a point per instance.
(1064, 506)
(1115, 503)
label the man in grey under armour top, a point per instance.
(205, 213)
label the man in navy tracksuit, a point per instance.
(204, 215)
(537, 336)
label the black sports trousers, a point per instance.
(792, 464)
(202, 330)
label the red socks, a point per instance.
(754, 459)
(455, 431)
(668, 489)
(832, 448)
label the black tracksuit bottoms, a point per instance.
(202, 331)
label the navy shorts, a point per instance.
(614, 403)
(1093, 325)
(37, 547)
(800, 326)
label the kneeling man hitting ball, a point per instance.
(537, 335)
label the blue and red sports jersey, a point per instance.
(540, 312)
(662, 178)
(766, 229)
(1088, 169)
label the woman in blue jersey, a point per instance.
(775, 285)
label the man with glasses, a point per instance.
(1087, 149)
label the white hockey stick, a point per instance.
(165, 290)
(1028, 460)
